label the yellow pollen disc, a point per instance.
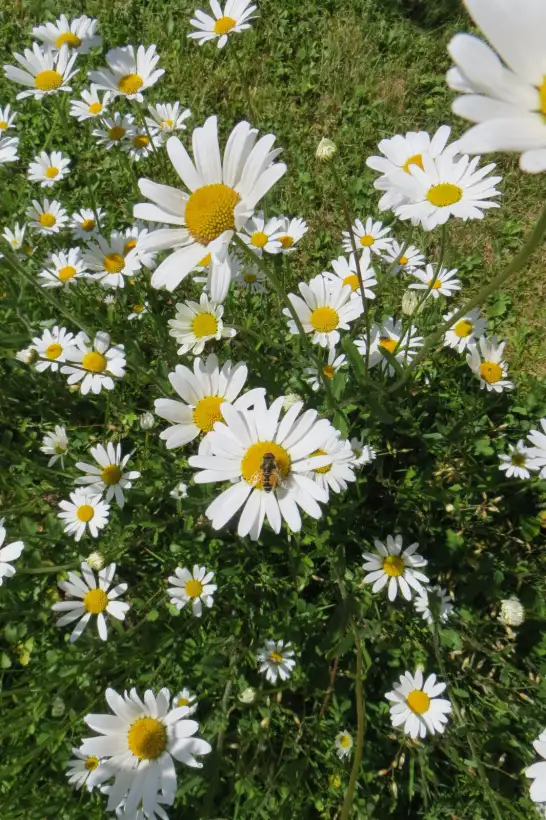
(210, 211)
(329, 371)
(388, 343)
(147, 738)
(95, 601)
(444, 194)
(204, 324)
(47, 220)
(393, 566)
(94, 362)
(286, 241)
(207, 413)
(259, 239)
(193, 588)
(205, 261)
(250, 278)
(116, 132)
(111, 474)
(324, 319)
(91, 764)
(129, 246)
(251, 464)
(463, 329)
(130, 84)
(3, 125)
(224, 25)
(88, 225)
(85, 513)
(182, 702)
(113, 263)
(416, 159)
(403, 260)
(491, 372)
(541, 91)
(140, 141)
(518, 460)
(48, 80)
(418, 701)
(367, 240)
(274, 657)
(138, 308)
(70, 39)
(345, 741)
(59, 449)
(352, 280)
(321, 469)
(53, 351)
(51, 172)
(95, 108)
(434, 285)
(66, 273)
(167, 124)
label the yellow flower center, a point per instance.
(518, 459)
(205, 261)
(393, 566)
(367, 240)
(85, 513)
(193, 588)
(415, 159)
(418, 701)
(114, 262)
(204, 324)
(47, 220)
(53, 351)
(207, 412)
(59, 449)
(95, 108)
(51, 172)
(182, 702)
(111, 474)
(91, 763)
(210, 211)
(352, 280)
(250, 278)
(251, 464)
(286, 241)
(345, 741)
(138, 308)
(491, 372)
(328, 371)
(71, 40)
(48, 80)
(259, 239)
(129, 246)
(403, 260)
(274, 657)
(324, 319)
(388, 343)
(224, 25)
(130, 84)
(167, 124)
(435, 284)
(95, 601)
(147, 738)
(116, 132)
(3, 125)
(542, 95)
(94, 362)
(88, 225)
(140, 141)
(463, 329)
(66, 273)
(444, 194)
(325, 469)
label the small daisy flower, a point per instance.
(63, 269)
(371, 236)
(186, 699)
(276, 661)
(518, 462)
(167, 118)
(139, 144)
(344, 744)
(47, 217)
(15, 238)
(82, 770)
(292, 230)
(94, 599)
(397, 568)
(485, 360)
(196, 323)
(404, 259)
(78, 34)
(94, 363)
(363, 453)
(179, 492)
(434, 604)
(251, 278)
(128, 74)
(11, 552)
(403, 344)
(111, 260)
(192, 586)
(86, 223)
(115, 130)
(109, 477)
(334, 476)
(138, 311)
(261, 236)
(333, 364)
(52, 348)
(512, 613)
(55, 445)
(91, 106)
(234, 18)
(134, 237)
(466, 331)
(43, 71)
(345, 269)
(417, 705)
(326, 308)
(538, 451)
(8, 149)
(437, 283)
(83, 511)
(7, 119)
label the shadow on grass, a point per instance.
(425, 13)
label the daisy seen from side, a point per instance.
(435, 282)
(402, 343)
(233, 19)
(369, 236)
(81, 770)
(47, 217)
(340, 471)
(179, 492)
(518, 462)
(11, 552)
(363, 453)
(108, 476)
(52, 347)
(326, 308)
(262, 236)
(538, 449)
(434, 604)
(192, 586)
(15, 237)
(395, 568)
(343, 744)
(42, 70)
(108, 262)
(83, 512)
(416, 705)
(63, 269)
(55, 444)
(9, 147)
(94, 363)
(485, 359)
(466, 331)
(79, 34)
(128, 74)
(276, 660)
(334, 363)
(115, 130)
(7, 119)
(291, 232)
(167, 118)
(91, 106)
(86, 223)
(196, 323)
(345, 269)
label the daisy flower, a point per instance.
(537, 772)
(63, 269)
(108, 260)
(512, 613)
(485, 360)
(128, 75)
(276, 661)
(434, 604)
(109, 477)
(11, 552)
(47, 169)
(83, 511)
(91, 105)
(134, 237)
(192, 586)
(223, 196)
(48, 217)
(52, 348)
(94, 363)
(416, 705)
(167, 118)
(292, 230)
(139, 144)
(55, 445)
(86, 223)
(94, 599)
(334, 476)
(403, 344)
(397, 568)
(234, 452)
(43, 71)
(138, 311)
(251, 278)
(371, 236)
(363, 453)
(7, 119)
(115, 131)
(8, 149)
(518, 462)
(261, 236)
(466, 331)
(436, 283)
(15, 238)
(326, 308)
(179, 492)
(333, 364)
(81, 770)
(344, 744)
(538, 450)
(345, 270)
(203, 393)
(196, 323)
(78, 34)
(186, 699)
(234, 18)
(404, 259)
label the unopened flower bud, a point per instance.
(96, 560)
(147, 421)
(28, 356)
(289, 400)
(512, 612)
(410, 303)
(326, 149)
(248, 695)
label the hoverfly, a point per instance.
(269, 475)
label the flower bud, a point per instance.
(289, 400)
(147, 421)
(95, 560)
(326, 150)
(248, 695)
(410, 303)
(512, 612)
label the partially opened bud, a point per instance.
(325, 150)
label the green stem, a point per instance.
(359, 697)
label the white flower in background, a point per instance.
(434, 604)
(43, 71)
(139, 144)
(93, 599)
(446, 187)
(79, 34)
(108, 300)
(402, 344)
(91, 106)
(196, 323)
(371, 236)
(403, 258)
(518, 462)
(537, 772)
(344, 744)
(7, 119)
(251, 278)
(134, 237)
(248, 695)
(326, 308)
(86, 223)
(223, 196)
(261, 236)
(507, 101)
(233, 19)
(538, 451)
(417, 706)
(8, 149)
(47, 217)
(109, 262)
(192, 586)
(396, 567)
(276, 661)
(235, 452)
(334, 476)
(345, 270)
(179, 492)
(203, 393)
(109, 477)
(82, 770)
(51, 348)
(96, 560)
(333, 364)
(147, 421)
(167, 118)
(83, 511)
(15, 237)
(11, 552)
(139, 745)
(186, 699)
(363, 453)
(94, 363)
(436, 283)
(115, 130)
(290, 400)
(466, 331)
(292, 230)
(512, 612)
(326, 150)
(55, 445)
(138, 311)
(63, 269)
(128, 75)
(485, 360)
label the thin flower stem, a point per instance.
(360, 723)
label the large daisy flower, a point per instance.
(85, 223)
(234, 18)
(196, 323)
(115, 130)
(371, 236)
(7, 119)
(326, 308)
(82, 770)
(262, 236)
(109, 477)
(485, 360)
(78, 34)
(345, 269)
(47, 169)
(466, 331)
(333, 364)
(334, 476)
(192, 586)
(390, 336)
(11, 552)
(55, 445)
(9, 147)
(292, 230)
(128, 75)
(234, 451)
(396, 567)
(43, 71)
(94, 363)
(111, 260)
(48, 217)
(538, 450)
(90, 106)
(63, 269)
(83, 511)
(167, 118)
(52, 348)
(436, 283)
(417, 705)
(276, 660)
(223, 196)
